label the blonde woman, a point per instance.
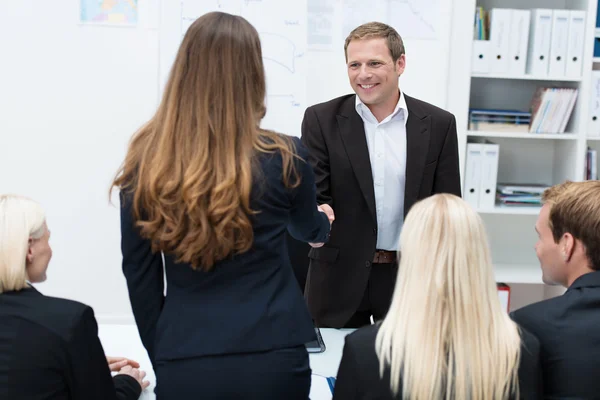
(446, 335)
(49, 347)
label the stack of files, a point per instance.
(499, 120)
(551, 109)
(591, 165)
(520, 194)
(481, 172)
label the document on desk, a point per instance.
(321, 388)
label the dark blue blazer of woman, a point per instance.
(248, 303)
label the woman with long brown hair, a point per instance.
(208, 190)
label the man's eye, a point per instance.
(375, 63)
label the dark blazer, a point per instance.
(335, 136)
(250, 302)
(358, 375)
(49, 349)
(568, 328)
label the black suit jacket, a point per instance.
(358, 376)
(335, 136)
(49, 349)
(249, 302)
(568, 328)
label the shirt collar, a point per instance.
(365, 113)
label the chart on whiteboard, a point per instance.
(411, 18)
(282, 30)
(330, 21)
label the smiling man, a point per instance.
(374, 153)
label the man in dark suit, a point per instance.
(374, 155)
(568, 248)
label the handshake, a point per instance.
(325, 208)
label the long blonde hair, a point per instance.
(190, 169)
(20, 220)
(446, 335)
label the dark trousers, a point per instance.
(276, 374)
(377, 296)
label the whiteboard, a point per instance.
(302, 42)
(282, 29)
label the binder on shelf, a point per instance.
(593, 128)
(489, 175)
(575, 43)
(473, 174)
(504, 295)
(539, 41)
(499, 36)
(481, 56)
(559, 42)
(518, 41)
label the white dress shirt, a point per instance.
(386, 141)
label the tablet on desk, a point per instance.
(316, 346)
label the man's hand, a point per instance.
(325, 208)
(115, 364)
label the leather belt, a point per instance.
(385, 257)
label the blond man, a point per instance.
(568, 248)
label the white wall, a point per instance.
(72, 95)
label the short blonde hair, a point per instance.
(575, 208)
(20, 219)
(375, 30)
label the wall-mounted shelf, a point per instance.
(524, 135)
(528, 77)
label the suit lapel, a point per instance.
(352, 131)
(417, 145)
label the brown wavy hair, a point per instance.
(189, 171)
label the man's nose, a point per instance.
(365, 73)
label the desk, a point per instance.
(123, 340)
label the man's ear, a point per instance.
(400, 64)
(567, 246)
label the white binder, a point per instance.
(575, 43)
(499, 34)
(480, 59)
(473, 174)
(489, 175)
(594, 115)
(539, 41)
(518, 41)
(559, 42)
